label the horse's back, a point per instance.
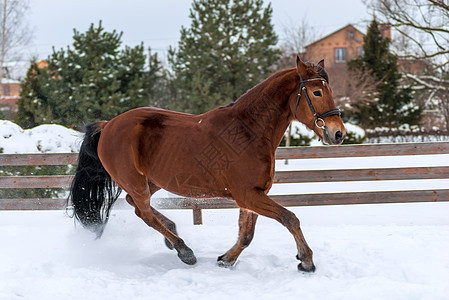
(144, 118)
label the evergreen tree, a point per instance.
(94, 80)
(228, 49)
(394, 105)
(158, 83)
(32, 106)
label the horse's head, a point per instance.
(314, 105)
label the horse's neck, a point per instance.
(266, 110)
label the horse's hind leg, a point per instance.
(247, 224)
(145, 212)
(139, 197)
(166, 221)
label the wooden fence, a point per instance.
(329, 198)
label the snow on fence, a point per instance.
(281, 177)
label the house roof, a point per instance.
(338, 30)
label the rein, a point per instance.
(318, 118)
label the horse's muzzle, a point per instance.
(333, 137)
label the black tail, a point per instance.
(93, 191)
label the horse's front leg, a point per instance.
(260, 203)
(247, 224)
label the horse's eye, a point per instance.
(317, 93)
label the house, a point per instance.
(336, 48)
(9, 96)
(345, 44)
(10, 90)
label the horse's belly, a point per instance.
(191, 184)
(189, 175)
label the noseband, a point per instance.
(318, 118)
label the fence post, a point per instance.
(197, 216)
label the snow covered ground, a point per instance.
(391, 251)
(388, 251)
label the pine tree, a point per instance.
(32, 106)
(394, 105)
(158, 83)
(228, 49)
(94, 80)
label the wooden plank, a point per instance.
(191, 203)
(363, 150)
(441, 195)
(63, 181)
(29, 182)
(39, 159)
(32, 204)
(316, 199)
(362, 174)
(282, 153)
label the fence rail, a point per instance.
(197, 205)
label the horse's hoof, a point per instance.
(306, 268)
(187, 256)
(222, 262)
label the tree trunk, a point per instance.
(3, 43)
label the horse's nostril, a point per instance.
(339, 136)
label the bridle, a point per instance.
(318, 118)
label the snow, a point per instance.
(41, 139)
(387, 251)
(301, 129)
(391, 251)
(358, 131)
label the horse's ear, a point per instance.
(321, 63)
(301, 67)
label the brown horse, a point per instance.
(228, 152)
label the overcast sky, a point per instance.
(158, 22)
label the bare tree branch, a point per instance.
(427, 19)
(426, 81)
(425, 24)
(295, 37)
(14, 31)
